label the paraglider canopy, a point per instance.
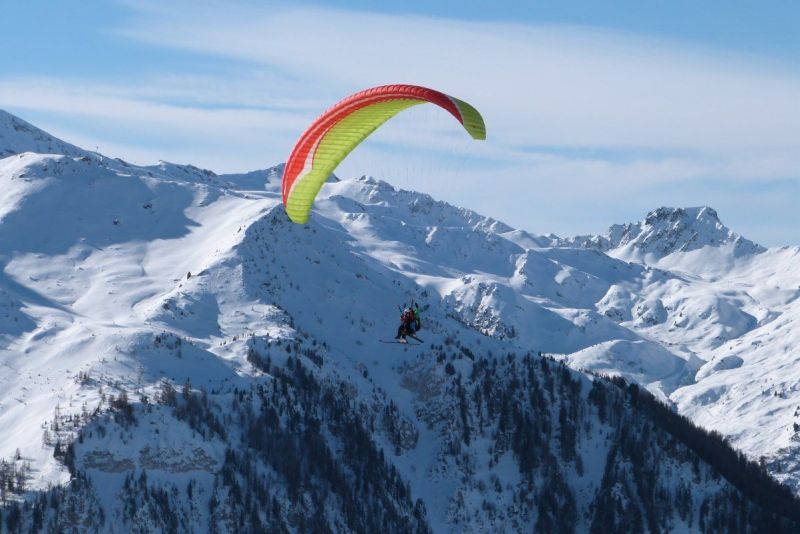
(339, 130)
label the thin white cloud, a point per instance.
(227, 136)
(544, 85)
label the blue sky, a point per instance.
(597, 112)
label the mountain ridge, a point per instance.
(154, 324)
(665, 231)
(18, 136)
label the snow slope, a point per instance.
(115, 277)
(18, 136)
(730, 308)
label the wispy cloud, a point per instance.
(220, 132)
(544, 85)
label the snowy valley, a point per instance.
(179, 357)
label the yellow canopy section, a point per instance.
(333, 147)
(340, 129)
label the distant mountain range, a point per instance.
(179, 357)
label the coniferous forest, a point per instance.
(300, 454)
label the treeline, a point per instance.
(661, 472)
(14, 476)
(287, 424)
(300, 457)
(747, 476)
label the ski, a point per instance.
(401, 342)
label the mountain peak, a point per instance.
(17, 136)
(665, 231)
(704, 215)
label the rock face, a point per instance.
(666, 231)
(179, 357)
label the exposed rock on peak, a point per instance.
(17, 136)
(666, 231)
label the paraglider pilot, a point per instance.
(407, 324)
(410, 321)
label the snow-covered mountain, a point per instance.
(729, 309)
(178, 356)
(17, 136)
(666, 231)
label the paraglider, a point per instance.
(339, 130)
(410, 324)
(406, 324)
